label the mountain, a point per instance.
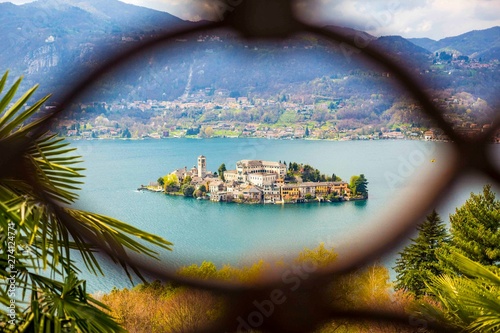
(475, 44)
(404, 50)
(45, 39)
(121, 16)
(54, 42)
(425, 43)
(48, 40)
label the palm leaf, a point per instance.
(4, 102)
(476, 270)
(39, 179)
(2, 82)
(471, 303)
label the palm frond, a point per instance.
(67, 305)
(39, 180)
(475, 270)
(471, 303)
(111, 235)
(4, 102)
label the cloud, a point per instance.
(17, 2)
(411, 18)
(193, 10)
(488, 10)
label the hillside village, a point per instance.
(319, 112)
(298, 121)
(257, 181)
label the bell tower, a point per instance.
(202, 166)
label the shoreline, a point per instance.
(301, 201)
(253, 138)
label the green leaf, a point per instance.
(476, 270)
(8, 97)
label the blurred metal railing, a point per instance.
(308, 308)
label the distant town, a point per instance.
(350, 106)
(217, 115)
(257, 181)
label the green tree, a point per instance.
(309, 174)
(221, 170)
(203, 189)
(418, 261)
(475, 228)
(39, 177)
(307, 131)
(160, 181)
(126, 134)
(188, 190)
(187, 180)
(352, 184)
(361, 185)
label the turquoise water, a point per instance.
(236, 234)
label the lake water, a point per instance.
(238, 234)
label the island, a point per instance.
(257, 181)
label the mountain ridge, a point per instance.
(474, 43)
(71, 37)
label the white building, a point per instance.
(232, 176)
(216, 186)
(261, 179)
(218, 196)
(256, 172)
(253, 166)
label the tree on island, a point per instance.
(309, 174)
(335, 178)
(187, 180)
(221, 170)
(188, 190)
(419, 261)
(161, 182)
(200, 192)
(362, 185)
(352, 184)
(171, 183)
(359, 186)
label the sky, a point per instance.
(434, 19)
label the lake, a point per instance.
(239, 233)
